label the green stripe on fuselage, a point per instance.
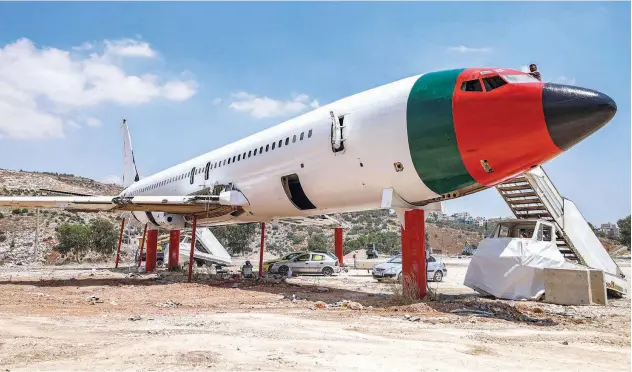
(431, 134)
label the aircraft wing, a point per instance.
(168, 204)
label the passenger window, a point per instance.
(254, 153)
(287, 141)
(544, 233)
(234, 157)
(261, 149)
(301, 138)
(267, 146)
(280, 143)
(239, 157)
(318, 257)
(504, 232)
(493, 82)
(309, 134)
(249, 153)
(303, 257)
(273, 144)
(244, 155)
(472, 86)
(431, 259)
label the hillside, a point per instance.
(17, 227)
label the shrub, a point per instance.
(73, 239)
(104, 236)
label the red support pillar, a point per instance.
(142, 244)
(174, 249)
(261, 249)
(338, 243)
(152, 249)
(414, 254)
(118, 249)
(192, 248)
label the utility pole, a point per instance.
(36, 233)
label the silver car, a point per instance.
(308, 263)
(392, 269)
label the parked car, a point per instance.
(308, 263)
(392, 269)
(268, 264)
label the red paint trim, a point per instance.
(414, 254)
(505, 126)
(118, 249)
(262, 248)
(338, 239)
(192, 248)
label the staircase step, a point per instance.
(515, 188)
(516, 179)
(526, 201)
(518, 195)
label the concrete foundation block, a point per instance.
(567, 286)
(598, 287)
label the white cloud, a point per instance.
(129, 48)
(42, 90)
(93, 122)
(265, 107)
(84, 46)
(112, 179)
(217, 101)
(464, 49)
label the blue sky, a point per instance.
(192, 77)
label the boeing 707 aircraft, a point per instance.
(410, 144)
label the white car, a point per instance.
(308, 263)
(392, 268)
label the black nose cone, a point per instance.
(573, 113)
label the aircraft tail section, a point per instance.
(130, 172)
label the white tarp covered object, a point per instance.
(512, 268)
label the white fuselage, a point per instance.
(375, 136)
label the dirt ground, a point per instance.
(79, 317)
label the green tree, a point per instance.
(317, 242)
(73, 239)
(104, 236)
(235, 237)
(624, 231)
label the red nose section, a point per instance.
(500, 126)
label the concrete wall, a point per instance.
(567, 286)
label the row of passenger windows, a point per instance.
(490, 83)
(225, 162)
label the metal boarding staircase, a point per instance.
(532, 195)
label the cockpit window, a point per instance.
(472, 86)
(493, 82)
(521, 79)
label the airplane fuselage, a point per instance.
(430, 138)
